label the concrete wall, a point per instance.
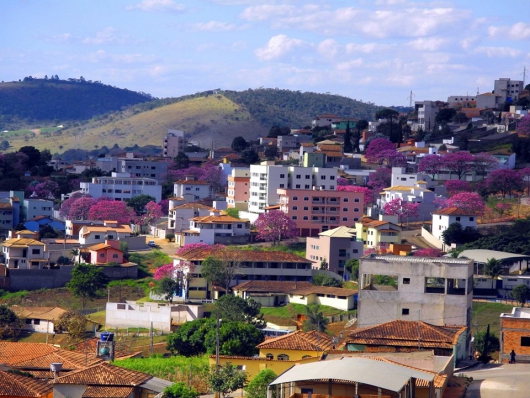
(26, 279)
(431, 239)
(135, 242)
(512, 329)
(114, 273)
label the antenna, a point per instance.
(524, 76)
(410, 97)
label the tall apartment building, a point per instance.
(507, 88)
(121, 186)
(136, 166)
(318, 210)
(265, 180)
(434, 290)
(427, 111)
(173, 141)
(238, 189)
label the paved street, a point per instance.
(494, 381)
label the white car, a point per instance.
(151, 243)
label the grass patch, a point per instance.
(286, 315)
(12, 297)
(295, 248)
(488, 313)
(350, 285)
(191, 370)
(150, 261)
(99, 317)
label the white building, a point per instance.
(412, 194)
(402, 178)
(191, 189)
(442, 219)
(179, 216)
(110, 230)
(25, 253)
(460, 99)
(121, 186)
(34, 207)
(265, 180)
(427, 111)
(173, 141)
(434, 290)
(136, 166)
(325, 119)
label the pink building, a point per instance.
(108, 252)
(238, 189)
(316, 211)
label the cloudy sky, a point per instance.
(376, 51)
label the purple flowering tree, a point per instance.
(523, 126)
(275, 226)
(430, 164)
(458, 163)
(80, 208)
(376, 147)
(404, 210)
(457, 186)
(469, 202)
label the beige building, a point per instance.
(335, 247)
(173, 142)
(378, 234)
(25, 253)
(435, 290)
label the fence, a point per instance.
(88, 311)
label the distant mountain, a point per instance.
(296, 109)
(63, 100)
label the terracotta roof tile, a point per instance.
(298, 340)
(107, 392)
(47, 313)
(104, 374)
(271, 286)
(22, 242)
(192, 206)
(221, 219)
(336, 291)
(89, 346)
(5, 205)
(13, 385)
(454, 211)
(405, 333)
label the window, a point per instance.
(332, 178)
(294, 217)
(307, 186)
(101, 255)
(282, 185)
(435, 285)
(295, 207)
(322, 177)
(332, 187)
(356, 200)
(344, 218)
(35, 251)
(404, 311)
(269, 356)
(36, 321)
(356, 209)
(306, 208)
(306, 218)
(281, 176)
(306, 198)
(115, 255)
(406, 281)
(307, 177)
(297, 186)
(295, 197)
(283, 357)
(471, 218)
(97, 236)
(239, 226)
(525, 341)
(458, 219)
(345, 200)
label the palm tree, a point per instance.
(315, 319)
(493, 268)
(76, 253)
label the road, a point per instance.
(494, 381)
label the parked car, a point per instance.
(151, 243)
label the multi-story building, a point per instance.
(427, 111)
(238, 189)
(508, 89)
(215, 228)
(434, 290)
(121, 186)
(25, 253)
(265, 180)
(402, 178)
(318, 210)
(325, 119)
(335, 247)
(137, 167)
(442, 219)
(461, 99)
(515, 335)
(179, 216)
(191, 189)
(412, 194)
(378, 234)
(7, 220)
(250, 265)
(34, 207)
(173, 141)
(110, 230)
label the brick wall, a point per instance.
(512, 329)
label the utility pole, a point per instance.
(419, 330)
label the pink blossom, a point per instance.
(164, 206)
(430, 164)
(404, 210)
(523, 126)
(457, 186)
(429, 252)
(275, 226)
(112, 210)
(458, 163)
(504, 181)
(66, 205)
(80, 208)
(469, 202)
(342, 182)
(368, 196)
(376, 147)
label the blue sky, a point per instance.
(376, 51)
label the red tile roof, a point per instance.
(13, 385)
(107, 392)
(104, 374)
(405, 334)
(454, 211)
(221, 219)
(335, 291)
(298, 340)
(271, 286)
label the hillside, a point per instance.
(60, 100)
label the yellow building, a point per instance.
(378, 234)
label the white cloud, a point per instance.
(215, 26)
(493, 52)
(157, 6)
(105, 36)
(427, 44)
(239, 45)
(278, 46)
(518, 31)
(350, 64)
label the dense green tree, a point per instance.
(456, 234)
(235, 309)
(188, 339)
(9, 322)
(348, 147)
(445, 115)
(250, 156)
(63, 260)
(257, 388)
(352, 266)
(271, 152)
(315, 319)
(226, 379)
(359, 126)
(239, 144)
(180, 390)
(486, 343)
(493, 268)
(46, 231)
(235, 338)
(274, 132)
(321, 279)
(167, 288)
(138, 203)
(460, 117)
(232, 212)
(521, 293)
(72, 323)
(386, 113)
(87, 282)
(181, 161)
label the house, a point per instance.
(238, 191)
(122, 186)
(179, 216)
(405, 336)
(436, 290)
(378, 234)
(25, 253)
(313, 158)
(318, 210)
(13, 385)
(515, 335)
(107, 252)
(250, 264)
(43, 319)
(110, 230)
(415, 194)
(442, 219)
(37, 222)
(401, 177)
(34, 207)
(265, 180)
(298, 345)
(274, 293)
(192, 189)
(215, 228)
(326, 119)
(72, 227)
(142, 315)
(173, 143)
(105, 380)
(335, 247)
(358, 377)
